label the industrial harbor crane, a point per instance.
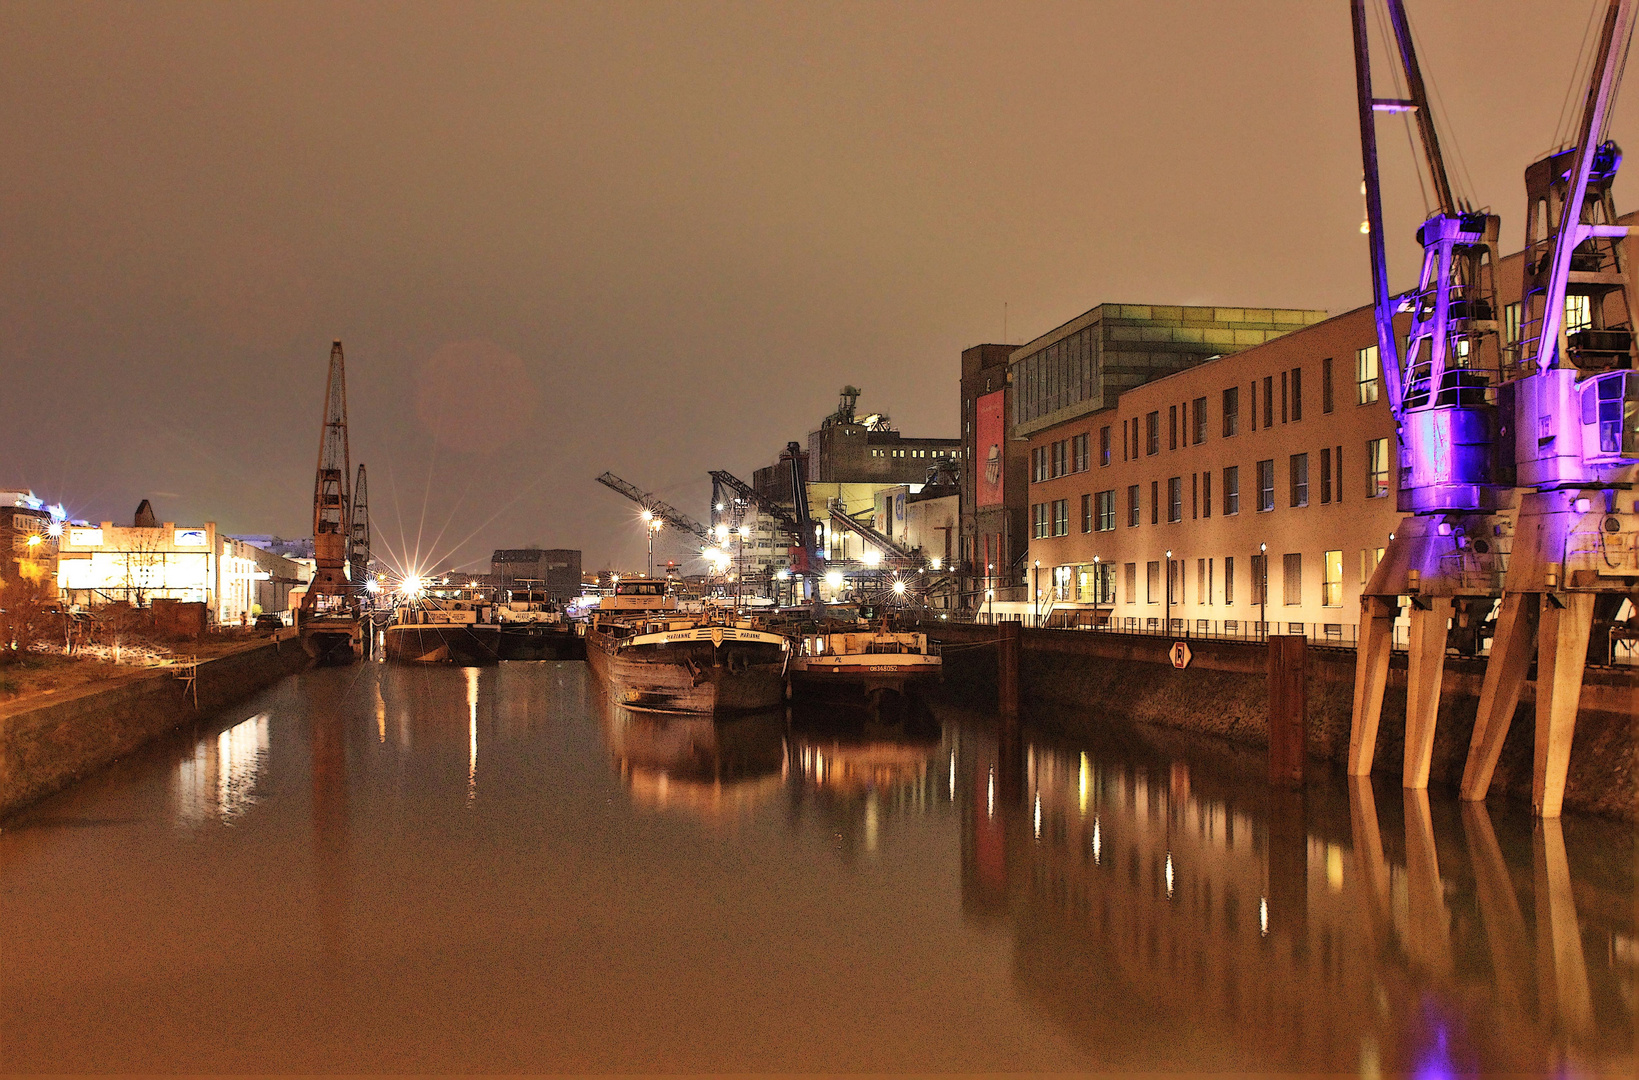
(1443, 391)
(1575, 439)
(662, 511)
(358, 547)
(329, 616)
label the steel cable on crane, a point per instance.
(1465, 188)
(1584, 56)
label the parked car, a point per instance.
(270, 620)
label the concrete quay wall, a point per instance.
(1091, 675)
(48, 743)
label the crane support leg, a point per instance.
(1562, 652)
(1561, 964)
(1511, 650)
(1430, 620)
(1371, 676)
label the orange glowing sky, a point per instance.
(652, 238)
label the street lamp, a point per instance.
(651, 526)
(1263, 588)
(1035, 586)
(1169, 592)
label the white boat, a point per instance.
(863, 663)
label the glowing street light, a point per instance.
(412, 586)
(833, 578)
(899, 588)
(871, 557)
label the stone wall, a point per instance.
(1087, 676)
(49, 742)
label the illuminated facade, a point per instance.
(108, 563)
(29, 531)
(1271, 476)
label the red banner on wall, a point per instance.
(991, 447)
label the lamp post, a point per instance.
(1035, 586)
(1263, 588)
(650, 525)
(1169, 592)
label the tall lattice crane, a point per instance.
(332, 529)
(1575, 562)
(1443, 389)
(358, 548)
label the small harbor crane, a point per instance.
(1443, 389)
(1575, 439)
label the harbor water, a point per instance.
(422, 869)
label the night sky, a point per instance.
(654, 238)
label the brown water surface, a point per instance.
(438, 869)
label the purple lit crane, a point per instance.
(1575, 438)
(1443, 388)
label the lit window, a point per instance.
(1377, 468)
(1365, 375)
(1331, 594)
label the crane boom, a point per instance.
(664, 511)
(783, 518)
(358, 550)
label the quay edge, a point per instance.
(1084, 677)
(50, 743)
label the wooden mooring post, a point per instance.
(1008, 640)
(1288, 708)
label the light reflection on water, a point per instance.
(217, 782)
(1115, 902)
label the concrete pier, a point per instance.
(50, 741)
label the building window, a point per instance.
(1578, 314)
(1132, 582)
(1079, 453)
(1152, 433)
(1229, 579)
(1260, 579)
(1331, 590)
(1299, 468)
(1155, 502)
(1104, 503)
(1283, 397)
(1377, 468)
(1206, 494)
(1061, 517)
(1266, 485)
(1292, 579)
(1104, 445)
(1369, 558)
(1199, 436)
(1337, 471)
(1175, 498)
(1103, 583)
(1511, 326)
(1058, 459)
(1038, 521)
(1152, 583)
(1297, 394)
(1232, 490)
(1326, 385)
(1038, 464)
(1172, 427)
(1132, 506)
(1232, 411)
(1203, 593)
(1268, 401)
(1086, 513)
(1365, 375)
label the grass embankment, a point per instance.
(34, 674)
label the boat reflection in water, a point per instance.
(714, 767)
(853, 772)
(1173, 918)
